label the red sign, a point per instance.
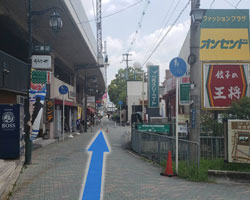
(225, 83)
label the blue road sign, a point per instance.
(92, 189)
(120, 102)
(178, 67)
(63, 89)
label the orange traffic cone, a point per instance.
(169, 169)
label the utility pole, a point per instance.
(126, 59)
(195, 80)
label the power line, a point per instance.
(139, 25)
(109, 15)
(165, 23)
(178, 17)
(242, 11)
(236, 5)
(212, 3)
(230, 3)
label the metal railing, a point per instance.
(155, 147)
(212, 147)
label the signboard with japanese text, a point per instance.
(153, 86)
(91, 99)
(156, 128)
(40, 77)
(41, 49)
(224, 83)
(238, 141)
(49, 110)
(41, 62)
(225, 35)
(184, 94)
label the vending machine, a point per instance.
(11, 131)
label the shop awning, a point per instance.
(90, 110)
(66, 103)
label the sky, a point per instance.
(144, 23)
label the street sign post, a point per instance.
(63, 89)
(178, 68)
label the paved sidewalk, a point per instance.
(129, 177)
(57, 170)
(57, 173)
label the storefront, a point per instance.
(70, 117)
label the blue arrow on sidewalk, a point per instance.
(92, 189)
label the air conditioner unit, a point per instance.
(20, 99)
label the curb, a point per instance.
(225, 176)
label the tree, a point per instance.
(239, 109)
(210, 124)
(117, 87)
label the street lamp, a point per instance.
(55, 21)
(56, 24)
(197, 15)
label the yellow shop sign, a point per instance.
(224, 44)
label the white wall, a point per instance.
(134, 93)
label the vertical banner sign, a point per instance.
(225, 35)
(224, 83)
(49, 110)
(79, 113)
(153, 86)
(184, 93)
(37, 98)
